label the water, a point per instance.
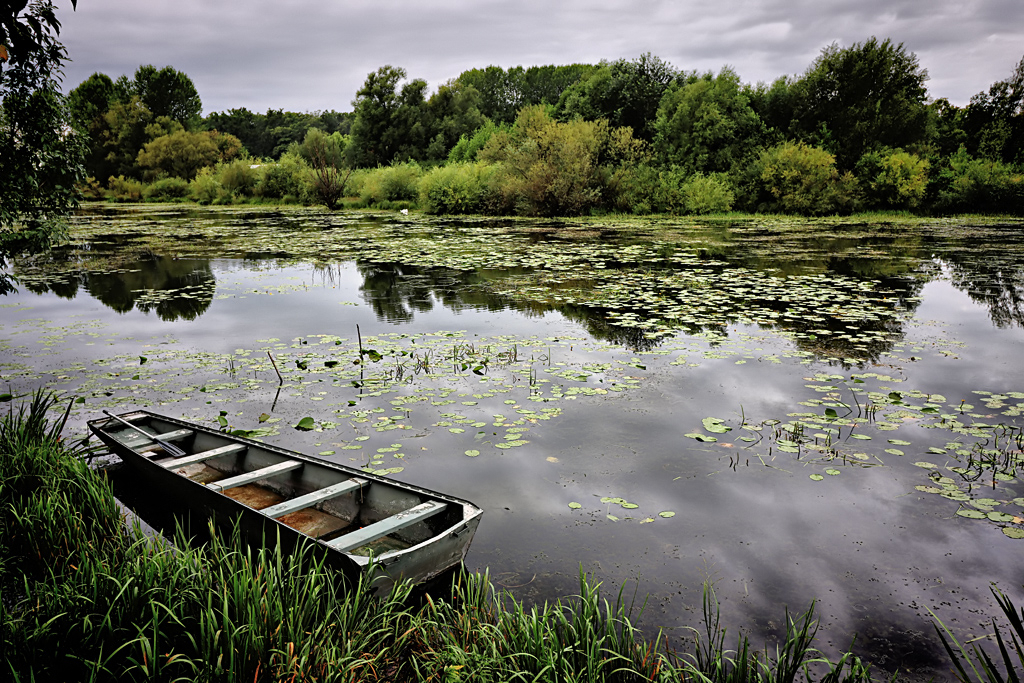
(603, 346)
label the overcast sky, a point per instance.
(306, 55)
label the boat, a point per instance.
(355, 519)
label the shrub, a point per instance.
(894, 179)
(643, 189)
(239, 177)
(285, 178)
(967, 184)
(124, 189)
(452, 189)
(91, 189)
(559, 169)
(708, 194)
(399, 182)
(797, 178)
(167, 188)
(205, 188)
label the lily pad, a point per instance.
(305, 424)
(572, 506)
(999, 517)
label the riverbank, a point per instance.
(87, 598)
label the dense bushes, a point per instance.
(543, 167)
(389, 184)
(798, 178)
(455, 188)
(967, 184)
(894, 180)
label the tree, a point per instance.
(390, 124)
(861, 98)
(625, 92)
(454, 111)
(125, 130)
(504, 93)
(706, 125)
(994, 121)
(89, 102)
(775, 105)
(182, 153)
(165, 92)
(500, 91)
(325, 154)
(91, 99)
(41, 153)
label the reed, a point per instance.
(1005, 667)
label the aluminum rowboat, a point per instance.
(357, 519)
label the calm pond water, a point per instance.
(795, 410)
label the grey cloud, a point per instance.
(305, 55)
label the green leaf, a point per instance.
(817, 477)
(574, 506)
(305, 424)
(263, 417)
(667, 514)
(715, 425)
(142, 360)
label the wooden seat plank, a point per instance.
(205, 455)
(314, 497)
(255, 475)
(387, 526)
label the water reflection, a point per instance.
(173, 289)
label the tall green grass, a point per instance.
(1007, 666)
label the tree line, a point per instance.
(856, 130)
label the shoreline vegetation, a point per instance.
(86, 597)
(857, 131)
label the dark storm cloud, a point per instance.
(303, 55)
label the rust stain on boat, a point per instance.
(313, 522)
(254, 496)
